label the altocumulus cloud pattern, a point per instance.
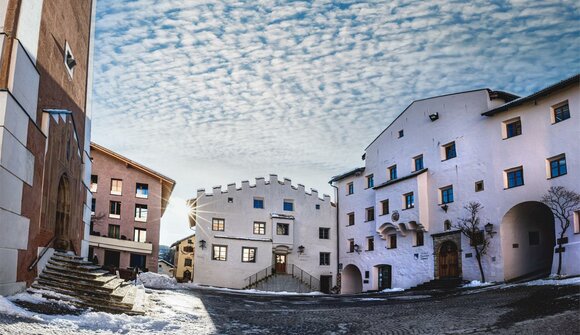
(300, 86)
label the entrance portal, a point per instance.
(280, 263)
(448, 260)
(325, 284)
(385, 277)
(62, 221)
(527, 240)
(351, 280)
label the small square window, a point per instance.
(513, 128)
(288, 205)
(449, 151)
(409, 201)
(370, 213)
(515, 177)
(323, 233)
(350, 219)
(385, 207)
(561, 112)
(218, 224)
(249, 255)
(114, 231)
(188, 262)
(479, 186)
(401, 133)
(325, 258)
(393, 172)
(349, 188)
(419, 238)
(230, 200)
(139, 235)
(351, 245)
(260, 228)
(142, 190)
(418, 163)
(370, 243)
(116, 186)
(282, 229)
(557, 166)
(258, 203)
(534, 237)
(370, 181)
(317, 206)
(446, 195)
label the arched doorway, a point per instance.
(527, 240)
(448, 260)
(351, 280)
(62, 221)
(186, 276)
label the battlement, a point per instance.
(261, 182)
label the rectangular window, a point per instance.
(418, 163)
(93, 206)
(248, 255)
(258, 203)
(114, 231)
(116, 186)
(288, 205)
(218, 224)
(370, 181)
(115, 209)
(370, 214)
(324, 233)
(513, 128)
(282, 229)
(409, 200)
(142, 190)
(515, 177)
(138, 261)
(350, 219)
(446, 194)
(393, 172)
(370, 243)
(561, 112)
(219, 253)
(230, 200)
(349, 188)
(188, 262)
(450, 151)
(577, 222)
(401, 133)
(139, 235)
(479, 186)
(325, 258)
(140, 212)
(534, 237)
(385, 207)
(392, 241)
(260, 228)
(94, 183)
(317, 206)
(351, 245)
(557, 166)
(419, 238)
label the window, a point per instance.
(370, 214)
(534, 237)
(260, 228)
(142, 190)
(349, 188)
(93, 206)
(447, 225)
(577, 222)
(446, 194)
(401, 133)
(393, 172)
(351, 245)
(325, 258)
(230, 200)
(139, 235)
(188, 249)
(513, 128)
(350, 219)
(219, 253)
(385, 207)
(258, 203)
(114, 231)
(94, 183)
(115, 209)
(69, 59)
(317, 206)
(392, 241)
(515, 177)
(138, 261)
(324, 233)
(140, 212)
(479, 186)
(218, 224)
(561, 112)
(370, 243)
(282, 229)
(370, 181)
(116, 186)
(248, 255)
(188, 262)
(449, 151)
(288, 205)
(418, 163)
(419, 238)
(409, 200)
(557, 166)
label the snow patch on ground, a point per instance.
(157, 281)
(555, 282)
(477, 283)
(9, 308)
(396, 289)
(372, 299)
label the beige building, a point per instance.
(183, 258)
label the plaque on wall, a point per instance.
(395, 216)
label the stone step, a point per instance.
(77, 262)
(73, 266)
(79, 285)
(97, 280)
(72, 256)
(83, 297)
(75, 271)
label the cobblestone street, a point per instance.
(504, 309)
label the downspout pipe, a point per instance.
(337, 229)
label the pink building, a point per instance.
(129, 200)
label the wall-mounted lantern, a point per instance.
(357, 248)
(489, 229)
(202, 244)
(301, 249)
(434, 117)
(444, 207)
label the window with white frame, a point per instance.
(115, 209)
(282, 229)
(325, 258)
(260, 228)
(370, 181)
(218, 224)
(139, 235)
(557, 166)
(560, 112)
(249, 255)
(94, 183)
(392, 172)
(140, 212)
(385, 207)
(370, 243)
(323, 233)
(116, 186)
(219, 252)
(142, 190)
(512, 128)
(288, 205)
(349, 188)
(350, 219)
(449, 151)
(446, 194)
(418, 162)
(514, 177)
(408, 200)
(370, 213)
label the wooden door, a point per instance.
(280, 263)
(325, 284)
(448, 260)
(384, 277)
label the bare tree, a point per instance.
(563, 204)
(469, 227)
(96, 220)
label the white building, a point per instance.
(245, 234)
(441, 153)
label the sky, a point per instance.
(215, 92)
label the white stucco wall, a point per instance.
(240, 216)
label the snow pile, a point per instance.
(9, 308)
(155, 280)
(566, 281)
(477, 283)
(396, 289)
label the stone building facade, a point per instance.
(128, 202)
(270, 226)
(45, 97)
(397, 213)
(183, 258)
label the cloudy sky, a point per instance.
(214, 92)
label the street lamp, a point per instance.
(489, 229)
(301, 249)
(202, 244)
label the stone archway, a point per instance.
(351, 280)
(62, 220)
(527, 240)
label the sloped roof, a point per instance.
(346, 174)
(183, 239)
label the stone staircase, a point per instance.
(283, 283)
(89, 286)
(293, 279)
(440, 284)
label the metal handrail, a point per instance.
(305, 277)
(259, 276)
(37, 259)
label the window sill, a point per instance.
(404, 209)
(448, 159)
(560, 175)
(114, 216)
(509, 188)
(415, 246)
(369, 250)
(507, 138)
(116, 193)
(384, 214)
(445, 203)
(391, 248)
(370, 220)
(140, 220)
(141, 196)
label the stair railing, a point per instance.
(39, 257)
(259, 276)
(305, 277)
